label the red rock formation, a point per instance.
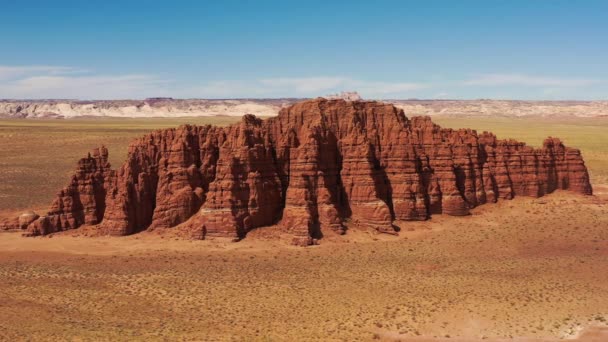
(26, 218)
(82, 201)
(9, 223)
(316, 164)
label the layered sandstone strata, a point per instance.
(313, 166)
(82, 201)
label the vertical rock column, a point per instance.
(82, 201)
(364, 184)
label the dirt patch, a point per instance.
(524, 269)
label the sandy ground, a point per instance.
(523, 270)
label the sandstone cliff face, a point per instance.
(82, 201)
(313, 166)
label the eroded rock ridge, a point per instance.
(315, 165)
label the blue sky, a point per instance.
(234, 49)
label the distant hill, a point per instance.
(168, 107)
(152, 107)
(503, 108)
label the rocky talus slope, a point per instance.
(315, 165)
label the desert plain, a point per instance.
(526, 269)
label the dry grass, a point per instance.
(37, 157)
(590, 135)
(518, 268)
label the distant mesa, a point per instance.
(316, 165)
(150, 99)
(150, 107)
(153, 100)
(170, 107)
(345, 95)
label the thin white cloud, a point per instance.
(232, 89)
(386, 88)
(36, 82)
(8, 72)
(305, 84)
(527, 80)
(32, 82)
(44, 81)
(305, 87)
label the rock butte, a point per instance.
(315, 165)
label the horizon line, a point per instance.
(289, 98)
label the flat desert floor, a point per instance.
(525, 270)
